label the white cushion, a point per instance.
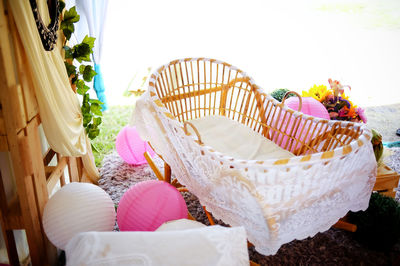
(211, 245)
(236, 140)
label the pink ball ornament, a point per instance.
(131, 147)
(310, 106)
(147, 205)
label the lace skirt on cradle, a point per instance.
(276, 201)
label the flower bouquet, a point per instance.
(336, 102)
(340, 107)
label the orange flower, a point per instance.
(352, 112)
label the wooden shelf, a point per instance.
(387, 181)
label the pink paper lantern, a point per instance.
(131, 147)
(310, 106)
(147, 205)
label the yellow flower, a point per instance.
(344, 96)
(317, 92)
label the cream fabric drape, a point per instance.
(59, 106)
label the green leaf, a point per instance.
(81, 89)
(97, 121)
(81, 68)
(95, 101)
(71, 69)
(85, 100)
(89, 41)
(68, 52)
(85, 108)
(67, 24)
(80, 84)
(93, 133)
(87, 72)
(96, 109)
(67, 30)
(81, 52)
(87, 117)
(86, 88)
(71, 16)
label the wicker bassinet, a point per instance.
(276, 200)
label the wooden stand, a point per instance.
(19, 135)
(387, 181)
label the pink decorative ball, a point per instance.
(131, 147)
(310, 106)
(147, 205)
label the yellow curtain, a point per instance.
(59, 106)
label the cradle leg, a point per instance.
(153, 166)
(210, 219)
(190, 217)
(345, 226)
(167, 172)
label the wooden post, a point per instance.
(59, 161)
(14, 121)
(30, 209)
(73, 169)
(7, 234)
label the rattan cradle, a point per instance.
(276, 200)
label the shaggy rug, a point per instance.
(333, 247)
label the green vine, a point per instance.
(81, 52)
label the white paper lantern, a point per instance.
(75, 208)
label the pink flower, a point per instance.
(361, 114)
(343, 112)
(333, 115)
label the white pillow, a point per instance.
(211, 245)
(236, 140)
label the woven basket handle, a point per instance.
(194, 129)
(287, 95)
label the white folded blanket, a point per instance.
(211, 245)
